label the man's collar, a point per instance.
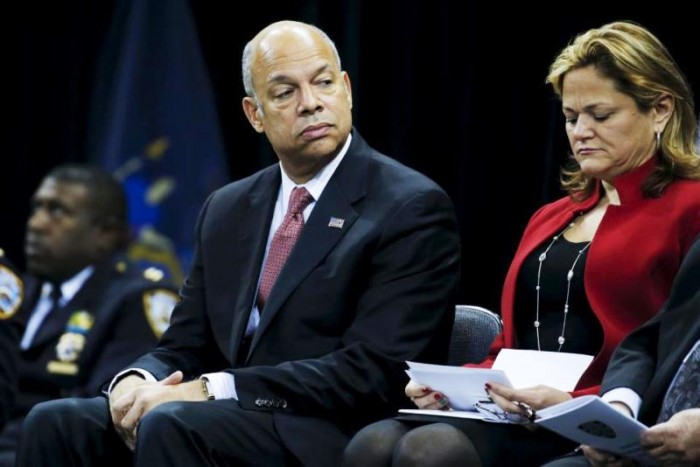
(70, 287)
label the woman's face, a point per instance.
(608, 134)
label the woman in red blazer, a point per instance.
(590, 267)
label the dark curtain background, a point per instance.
(454, 89)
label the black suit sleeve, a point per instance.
(188, 344)
(11, 296)
(9, 354)
(634, 361)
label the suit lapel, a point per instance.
(253, 225)
(344, 189)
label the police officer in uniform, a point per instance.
(11, 294)
(87, 311)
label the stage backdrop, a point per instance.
(453, 89)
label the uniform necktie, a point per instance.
(40, 325)
(283, 241)
(684, 391)
(55, 296)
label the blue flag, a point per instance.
(154, 125)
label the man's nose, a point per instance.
(38, 220)
(309, 101)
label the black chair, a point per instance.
(473, 331)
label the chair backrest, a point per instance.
(473, 331)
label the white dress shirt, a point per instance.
(625, 396)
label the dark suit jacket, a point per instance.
(11, 295)
(647, 360)
(60, 363)
(350, 306)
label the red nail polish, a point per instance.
(487, 386)
(437, 396)
(425, 390)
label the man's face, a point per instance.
(61, 236)
(305, 99)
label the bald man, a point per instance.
(314, 280)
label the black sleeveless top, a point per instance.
(583, 332)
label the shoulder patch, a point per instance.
(11, 292)
(158, 305)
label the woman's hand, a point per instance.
(426, 398)
(517, 400)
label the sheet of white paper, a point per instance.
(526, 368)
(462, 386)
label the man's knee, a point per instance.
(165, 418)
(51, 414)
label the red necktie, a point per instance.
(283, 241)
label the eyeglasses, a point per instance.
(493, 413)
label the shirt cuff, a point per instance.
(626, 396)
(223, 385)
(146, 375)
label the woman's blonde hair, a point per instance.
(641, 68)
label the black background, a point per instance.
(453, 89)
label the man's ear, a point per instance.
(250, 108)
(109, 237)
(348, 87)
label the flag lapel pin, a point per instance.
(336, 223)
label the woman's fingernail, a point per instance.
(425, 389)
(437, 396)
(487, 387)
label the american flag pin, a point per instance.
(336, 223)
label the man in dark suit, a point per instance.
(642, 370)
(87, 313)
(262, 371)
(11, 296)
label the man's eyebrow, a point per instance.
(282, 77)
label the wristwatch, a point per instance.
(206, 388)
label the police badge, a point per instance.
(11, 292)
(71, 343)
